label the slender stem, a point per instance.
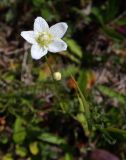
(51, 71)
(50, 68)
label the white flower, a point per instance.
(44, 39)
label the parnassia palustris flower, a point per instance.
(44, 38)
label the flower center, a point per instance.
(44, 39)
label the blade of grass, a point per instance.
(84, 107)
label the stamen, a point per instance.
(44, 39)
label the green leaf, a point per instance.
(68, 156)
(112, 94)
(97, 13)
(112, 9)
(116, 130)
(38, 3)
(71, 69)
(10, 16)
(47, 14)
(84, 116)
(82, 80)
(50, 138)
(121, 21)
(84, 101)
(8, 156)
(74, 47)
(113, 34)
(9, 77)
(19, 134)
(33, 147)
(21, 151)
(81, 116)
(72, 57)
(42, 76)
(3, 138)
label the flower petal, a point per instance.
(37, 52)
(57, 45)
(28, 36)
(40, 25)
(59, 29)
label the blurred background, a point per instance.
(40, 120)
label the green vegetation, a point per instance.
(82, 116)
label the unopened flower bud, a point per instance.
(57, 76)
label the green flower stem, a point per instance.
(50, 68)
(52, 72)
